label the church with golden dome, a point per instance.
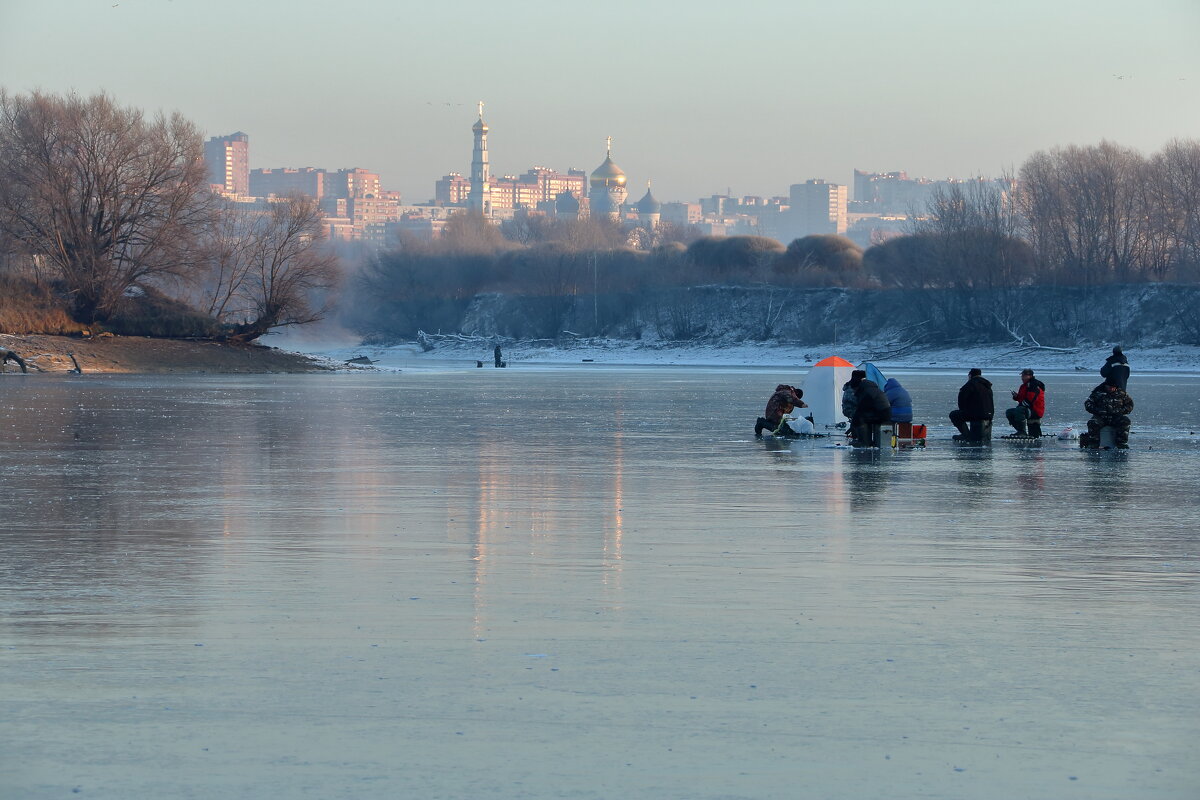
(601, 195)
(606, 188)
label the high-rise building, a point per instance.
(816, 207)
(228, 161)
(452, 190)
(282, 182)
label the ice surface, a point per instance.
(589, 584)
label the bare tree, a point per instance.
(269, 268)
(1086, 212)
(975, 231)
(1176, 171)
(107, 197)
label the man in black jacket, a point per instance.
(871, 407)
(1116, 369)
(975, 403)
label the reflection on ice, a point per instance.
(420, 585)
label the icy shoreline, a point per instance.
(585, 353)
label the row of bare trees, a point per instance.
(1105, 213)
(1074, 216)
(105, 204)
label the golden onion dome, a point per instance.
(608, 174)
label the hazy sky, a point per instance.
(700, 96)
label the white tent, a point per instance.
(823, 393)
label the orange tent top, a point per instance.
(833, 361)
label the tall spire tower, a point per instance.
(480, 198)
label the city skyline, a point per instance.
(700, 103)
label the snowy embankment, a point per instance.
(584, 353)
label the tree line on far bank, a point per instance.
(107, 222)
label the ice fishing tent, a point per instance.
(823, 393)
(873, 373)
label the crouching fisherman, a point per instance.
(782, 403)
(1109, 406)
(1026, 417)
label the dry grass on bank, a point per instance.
(141, 355)
(29, 307)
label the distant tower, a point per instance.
(606, 188)
(480, 198)
(649, 210)
(228, 162)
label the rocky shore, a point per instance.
(141, 355)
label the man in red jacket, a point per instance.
(1031, 405)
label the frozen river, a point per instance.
(585, 583)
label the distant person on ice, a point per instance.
(1116, 368)
(975, 403)
(900, 401)
(499, 358)
(871, 406)
(783, 402)
(1110, 406)
(1026, 417)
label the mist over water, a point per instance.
(585, 582)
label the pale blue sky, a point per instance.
(699, 96)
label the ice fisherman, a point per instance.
(783, 402)
(975, 403)
(1116, 367)
(849, 396)
(1026, 416)
(498, 356)
(900, 400)
(1110, 406)
(871, 406)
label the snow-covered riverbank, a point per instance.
(605, 352)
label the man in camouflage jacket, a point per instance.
(1109, 406)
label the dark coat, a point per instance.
(1106, 406)
(872, 405)
(849, 400)
(975, 399)
(1116, 373)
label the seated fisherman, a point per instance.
(900, 400)
(783, 402)
(1026, 417)
(871, 406)
(1109, 406)
(975, 403)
